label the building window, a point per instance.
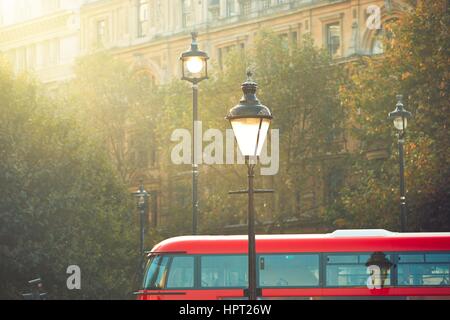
(21, 59)
(50, 49)
(377, 43)
(334, 182)
(186, 13)
(22, 10)
(31, 57)
(333, 32)
(214, 8)
(223, 52)
(143, 18)
(294, 38)
(265, 4)
(230, 8)
(284, 40)
(246, 7)
(154, 200)
(101, 32)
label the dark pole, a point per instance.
(252, 295)
(195, 171)
(403, 218)
(142, 207)
(142, 204)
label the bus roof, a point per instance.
(338, 241)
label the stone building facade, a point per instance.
(155, 32)
(41, 36)
(46, 36)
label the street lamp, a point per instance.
(194, 67)
(250, 121)
(142, 197)
(400, 118)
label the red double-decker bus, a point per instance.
(352, 264)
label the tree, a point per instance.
(415, 64)
(62, 203)
(112, 99)
(302, 90)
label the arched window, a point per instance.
(377, 46)
(378, 38)
(143, 18)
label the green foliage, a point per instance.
(301, 88)
(110, 99)
(62, 203)
(415, 64)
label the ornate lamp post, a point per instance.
(400, 117)
(250, 121)
(194, 67)
(142, 197)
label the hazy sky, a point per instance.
(29, 8)
(8, 12)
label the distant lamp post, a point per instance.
(142, 197)
(194, 67)
(400, 118)
(36, 293)
(250, 121)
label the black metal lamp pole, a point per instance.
(400, 117)
(194, 65)
(250, 121)
(195, 171)
(403, 217)
(142, 204)
(252, 281)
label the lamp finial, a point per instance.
(249, 74)
(194, 35)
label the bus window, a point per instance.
(228, 271)
(156, 272)
(295, 270)
(354, 270)
(423, 269)
(181, 273)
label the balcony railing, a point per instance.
(257, 10)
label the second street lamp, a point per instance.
(194, 67)
(400, 117)
(250, 121)
(142, 203)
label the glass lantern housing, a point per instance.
(400, 116)
(250, 121)
(194, 63)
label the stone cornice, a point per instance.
(35, 27)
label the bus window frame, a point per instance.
(170, 256)
(393, 269)
(322, 270)
(424, 253)
(169, 267)
(318, 254)
(200, 287)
